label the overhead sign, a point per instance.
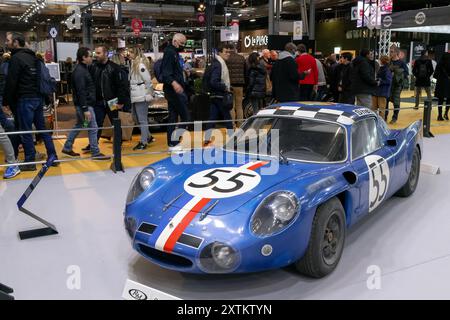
(256, 41)
(53, 69)
(136, 25)
(74, 20)
(53, 32)
(117, 13)
(229, 33)
(298, 30)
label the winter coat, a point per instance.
(427, 66)
(236, 67)
(141, 87)
(442, 76)
(171, 69)
(362, 76)
(111, 82)
(22, 79)
(212, 79)
(385, 77)
(285, 78)
(257, 82)
(304, 63)
(83, 87)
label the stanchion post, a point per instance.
(50, 229)
(117, 146)
(427, 119)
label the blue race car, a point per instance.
(259, 207)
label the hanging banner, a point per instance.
(117, 13)
(155, 44)
(136, 25)
(298, 30)
(120, 43)
(354, 13)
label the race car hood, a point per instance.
(242, 178)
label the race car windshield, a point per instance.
(298, 139)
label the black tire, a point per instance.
(325, 248)
(413, 179)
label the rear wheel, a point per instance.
(326, 242)
(413, 179)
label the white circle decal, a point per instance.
(221, 182)
(379, 177)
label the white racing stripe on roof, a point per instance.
(267, 111)
(288, 108)
(305, 113)
(331, 111)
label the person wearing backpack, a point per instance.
(422, 71)
(141, 95)
(400, 74)
(24, 95)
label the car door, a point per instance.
(373, 163)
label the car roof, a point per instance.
(345, 114)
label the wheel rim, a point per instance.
(414, 174)
(332, 240)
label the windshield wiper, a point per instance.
(283, 158)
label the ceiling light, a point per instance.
(228, 14)
(252, 20)
(236, 2)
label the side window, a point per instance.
(365, 138)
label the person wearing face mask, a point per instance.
(285, 77)
(174, 87)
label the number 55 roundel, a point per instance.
(222, 182)
(378, 180)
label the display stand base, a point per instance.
(5, 292)
(35, 233)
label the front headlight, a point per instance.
(274, 213)
(218, 257)
(140, 183)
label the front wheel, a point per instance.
(326, 242)
(413, 179)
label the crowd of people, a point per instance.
(124, 82)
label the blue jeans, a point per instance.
(216, 110)
(91, 133)
(29, 112)
(101, 110)
(177, 104)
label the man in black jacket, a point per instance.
(83, 89)
(174, 87)
(23, 96)
(343, 80)
(285, 77)
(422, 71)
(111, 90)
(363, 81)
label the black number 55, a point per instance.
(238, 184)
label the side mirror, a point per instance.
(391, 142)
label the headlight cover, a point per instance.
(274, 213)
(140, 183)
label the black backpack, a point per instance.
(157, 68)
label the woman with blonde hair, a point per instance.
(141, 94)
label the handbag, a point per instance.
(228, 100)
